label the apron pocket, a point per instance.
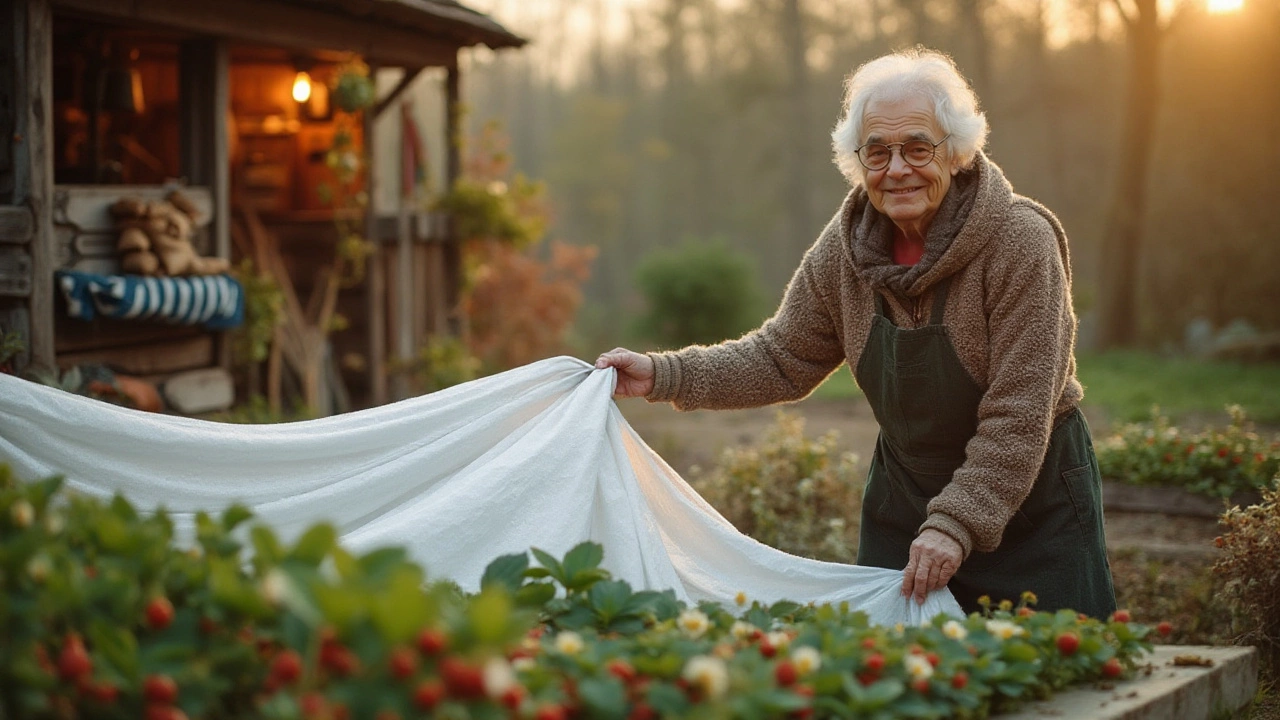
(1085, 492)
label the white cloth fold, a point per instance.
(538, 456)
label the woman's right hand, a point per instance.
(635, 372)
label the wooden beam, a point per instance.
(17, 226)
(410, 74)
(292, 26)
(32, 44)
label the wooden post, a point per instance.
(453, 171)
(32, 43)
(375, 283)
(205, 102)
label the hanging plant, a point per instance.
(353, 90)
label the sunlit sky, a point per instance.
(563, 28)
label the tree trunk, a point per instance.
(799, 225)
(978, 48)
(1122, 244)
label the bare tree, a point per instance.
(1122, 242)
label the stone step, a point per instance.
(1222, 690)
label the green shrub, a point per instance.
(700, 293)
(1217, 463)
(800, 495)
(103, 617)
(1250, 574)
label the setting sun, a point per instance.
(1225, 6)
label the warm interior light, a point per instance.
(1225, 6)
(301, 87)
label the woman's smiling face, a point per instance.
(908, 195)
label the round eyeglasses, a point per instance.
(916, 153)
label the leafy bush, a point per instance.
(794, 493)
(1251, 574)
(1182, 591)
(102, 616)
(1217, 463)
(444, 362)
(700, 293)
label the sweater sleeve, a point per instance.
(1031, 329)
(784, 359)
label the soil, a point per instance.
(688, 439)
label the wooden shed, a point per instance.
(110, 98)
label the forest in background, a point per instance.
(672, 121)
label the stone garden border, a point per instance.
(1226, 688)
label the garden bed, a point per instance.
(1168, 500)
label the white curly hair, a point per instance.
(907, 73)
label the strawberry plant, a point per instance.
(1219, 463)
(108, 612)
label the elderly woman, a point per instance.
(950, 297)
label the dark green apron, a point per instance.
(927, 407)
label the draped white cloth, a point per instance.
(538, 456)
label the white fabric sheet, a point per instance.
(538, 456)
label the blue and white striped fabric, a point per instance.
(216, 301)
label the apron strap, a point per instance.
(881, 308)
(940, 300)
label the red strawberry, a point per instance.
(313, 705)
(512, 697)
(1025, 612)
(432, 642)
(402, 663)
(869, 643)
(74, 662)
(767, 649)
(287, 667)
(1068, 642)
(462, 680)
(622, 670)
(785, 673)
(1165, 628)
(933, 658)
(1120, 616)
(164, 712)
(875, 663)
(338, 660)
(639, 711)
(1111, 668)
(553, 712)
(920, 685)
(960, 680)
(160, 689)
(428, 694)
(104, 693)
(159, 613)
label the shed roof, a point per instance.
(409, 33)
(443, 17)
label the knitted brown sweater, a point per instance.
(1008, 315)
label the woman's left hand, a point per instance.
(935, 557)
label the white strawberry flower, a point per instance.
(693, 623)
(954, 630)
(742, 630)
(709, 674)
(22, 513)
(918, 667)
(806, 659)
(779, 639)
(569, 642)
(740, 599)
(1004, 629)
(499, 677)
